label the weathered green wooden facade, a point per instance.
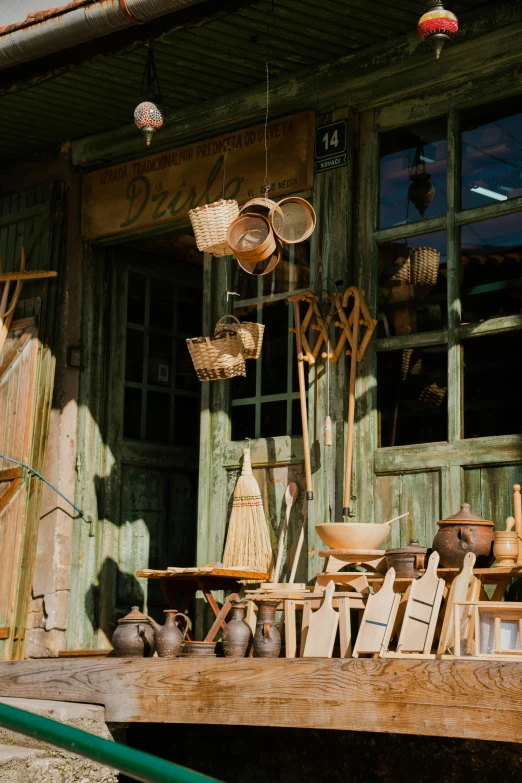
(140, 498)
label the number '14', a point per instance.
(333, 141)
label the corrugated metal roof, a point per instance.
(199, 63)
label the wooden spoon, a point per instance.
(291, 493)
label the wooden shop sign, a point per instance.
(163, 188)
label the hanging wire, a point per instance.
(32, 470)
(150, 85)
(266, 184)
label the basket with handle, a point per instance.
(250, 334)
(219, 357)
(425, 266)
(210, 223)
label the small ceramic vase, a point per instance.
(237, 636)
(267, 639)
(134, 637)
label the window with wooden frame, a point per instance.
(266, 402)
(449, 250)
(161, 391)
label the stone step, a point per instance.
(15, 753)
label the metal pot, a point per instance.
(134, 637)
(461, 533)
(407, 561)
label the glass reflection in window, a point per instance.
(491, 153)
(413, 173)
(412, 285)
(412, 396)
(491, 268)
(491, 392)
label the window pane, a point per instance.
(491, 268)
(412, 396)
(136, 299)
(134, 356)
(243, 284)
(274, 355)
(413, 173)
(297, 428)
(413, 285)
(161, 304)
(189, 311)
(186, 421)
(132, 413)
(160, 360)
(292, 272)
(186, 377)
(243, 422)
(158, 416)
(491, 153)
(273, 419)
(491, 389)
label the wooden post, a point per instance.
(517, 504)
(354, 346)
(302, 399)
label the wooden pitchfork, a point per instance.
(351, 334)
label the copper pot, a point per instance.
(461, 533)
(407, 561)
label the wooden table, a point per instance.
(361, 581)
(180, 588)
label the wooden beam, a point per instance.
(11, 473)
(466, 699)
(398, 67)
(4, 633)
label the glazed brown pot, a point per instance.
(461, 533)
(205, 649)
(408, 560)
(134, 637)
(237, 636)
(267, 639)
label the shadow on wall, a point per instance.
(99, 598)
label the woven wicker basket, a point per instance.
(250, 334)
(425, 266)
(210, 223)
(219, 357)
(403, 273)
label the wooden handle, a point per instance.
(299, 542)
(328, 594)
(517, 507)
(354, 346)
(302, 399)
(328, 431)
(510, 524)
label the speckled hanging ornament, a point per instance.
(148, 115)
(437, 26)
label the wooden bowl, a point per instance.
(353, 535)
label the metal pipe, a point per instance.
(80, 25)
(135, 763)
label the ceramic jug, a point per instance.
(237, 635)
(267, 639)
(168, 637)
(134, 637)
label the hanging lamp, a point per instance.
(148, 115)
(437, 25)
(421, 191)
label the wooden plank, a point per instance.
(4, 633)
(477, 451)
(478, 699)
(163, 188)
(10, 474)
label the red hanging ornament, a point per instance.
(148, 114)
(437, 26)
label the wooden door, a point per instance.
(142, 451)
(19, 365)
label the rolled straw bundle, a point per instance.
(248, 540)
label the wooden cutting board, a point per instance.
(422, 611)
(322, 628)
(465, 587)
(378, 619)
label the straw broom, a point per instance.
(248, 540)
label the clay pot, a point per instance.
(201, 649)
(267, 639)
(134, 637)
(461, 533)
(169, 638)
(505, 548)
(408, 560)
(237, 636)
